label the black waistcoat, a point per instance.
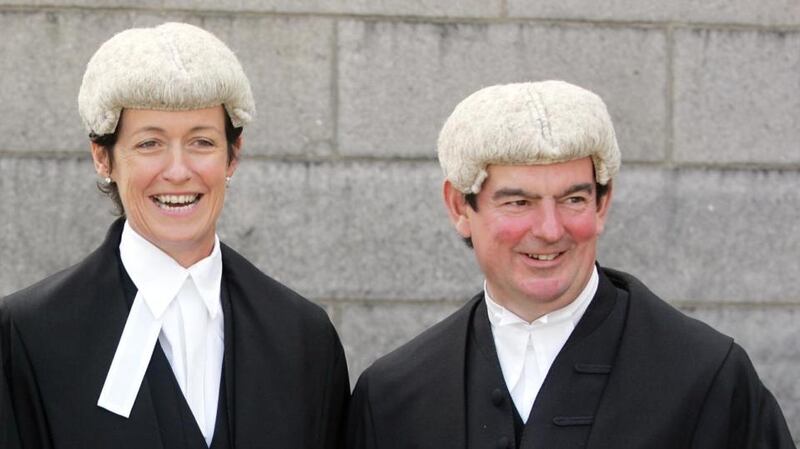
(492, 419)
(563, 412)
(178, 427)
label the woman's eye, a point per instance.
(204, 143)
(147, 144)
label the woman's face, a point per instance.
(170, 169)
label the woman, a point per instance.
(164, 337)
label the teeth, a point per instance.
(176, 200)
(543, 256)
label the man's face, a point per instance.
(534, 232)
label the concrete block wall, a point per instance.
(338, 193)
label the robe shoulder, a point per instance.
(426, 350)
(261, 294)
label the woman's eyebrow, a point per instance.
(147, 129)
(205, 128)
(193, 130)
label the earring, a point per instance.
(227, 181)
(107, 180)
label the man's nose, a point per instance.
(548, 224)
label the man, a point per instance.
(556, 352)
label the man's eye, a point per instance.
(576, 200)
(518, 203)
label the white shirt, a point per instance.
(180, 307)
(527, 350)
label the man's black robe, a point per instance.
(634, 374)
(285, 374)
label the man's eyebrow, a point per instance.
(507, 192)
(585, 187)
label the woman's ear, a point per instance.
(234, 162)
(102, 163)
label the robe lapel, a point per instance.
(448, 426)
(445, 374)
(264, 380)
(229, 362)
(564, 410)
(251, 380)
(104, 310)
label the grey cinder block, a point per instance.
(53, 216)
(87, 3)
(399, 81)
(427, 8)
(349, 230)
(44, 55)
(737, 96)
(707, 235)
(288, 61)
(370, 330)
(770, 12)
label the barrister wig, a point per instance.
(172, 67)
(526, 124)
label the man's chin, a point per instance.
(544, 294)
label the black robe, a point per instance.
(634, 374)
(285, 374)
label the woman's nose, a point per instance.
(177, 171)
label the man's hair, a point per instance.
(109, 141)
(600, 190)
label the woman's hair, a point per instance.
(108, 141)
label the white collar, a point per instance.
(512, 333)
(500, 316)
(158, 279)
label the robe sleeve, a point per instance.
(337, 398)
(360, 425)
(9, 437)
(22, 418)
(739, 411)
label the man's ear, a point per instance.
(457, 209)
(102, 164)
(603, 206)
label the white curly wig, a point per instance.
(526, 124)
(172, 67)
